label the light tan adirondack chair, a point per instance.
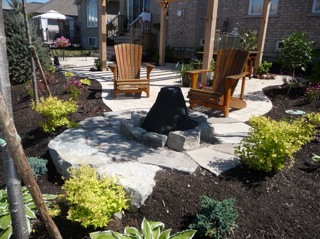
(229, 69)
(126, 72)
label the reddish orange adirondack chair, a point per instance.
(229, 69)
(126, 72)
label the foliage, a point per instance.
(264, 67)
(182, 68)
(248, 41)
(85, 81)
(315, 70)
(98, 64)
(67, 74)
(93, 201)
(74, 87)
(30, 210)
(62, 42)
(17, 46)
(215, 219)
(271, 143)
(149, 230)
(54, 112)
(313, 91)
(296, 52)
(315, 158)
(38, 166)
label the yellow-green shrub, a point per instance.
(271, 143)
(93, 201)
(54, 112)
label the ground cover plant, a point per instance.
(281, 205)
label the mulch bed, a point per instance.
(284, 205)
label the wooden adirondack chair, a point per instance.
(126, 72)
(230, 67)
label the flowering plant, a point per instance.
(62, 42)
(313, 91)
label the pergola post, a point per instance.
(212, 11)
(163, 26)
(103, 33)
(262, 33)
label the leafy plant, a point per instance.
(264, 68)
(98, 64)
(215, 219)
(18, 47)
(149, 230)
(68, 74)
(85, 81)
(313, 91)
(248, 41)
(271, 143)
(93, 201)
(315, 157)
(54, 112)
(30, 210)
(182, 68)
(38, 166)
(296, 52)
(74, 87)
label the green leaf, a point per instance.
(132, 231)
(165, 234)
(153, 225)
(30, 213)
(102, 235)
(6, 234)
(146, 229)
(184, 234)
(5, 221)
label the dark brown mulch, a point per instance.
(285, 205)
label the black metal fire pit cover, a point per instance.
(169, 112)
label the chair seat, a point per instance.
(203, 94)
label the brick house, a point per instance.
(186, 20)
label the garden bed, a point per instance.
(285, 205)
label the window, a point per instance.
(92, 13)
(92, 42)
(255, 7)
(279, 45)
(316, 6)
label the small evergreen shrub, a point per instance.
(149, 230)
(18, 47)
(38, 166)
(264, 68)
(54, 113)
(215, 219)
(271, 143)
(93, 201)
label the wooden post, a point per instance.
(212, 12)
(163, 26)
(103, 33)
(262, 33)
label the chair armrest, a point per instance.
(237, 77)
(194, 76)
(113, 67)
(148, 65)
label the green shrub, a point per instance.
(30, 210)
(38, 166)
(264, 68)
(17, 45)
(271, 143)
(54, 112)
(313, 91)
(215, 219)
(98, 64)
(85, 81)
(149, 230)
(93, 201)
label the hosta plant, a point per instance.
(149, 230)
(270, 144)
(216, 219)
(54, 113)
(93, 200)
(30, 210)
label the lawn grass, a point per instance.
(71, 52)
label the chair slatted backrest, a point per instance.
(229, 62)
(128, 57)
